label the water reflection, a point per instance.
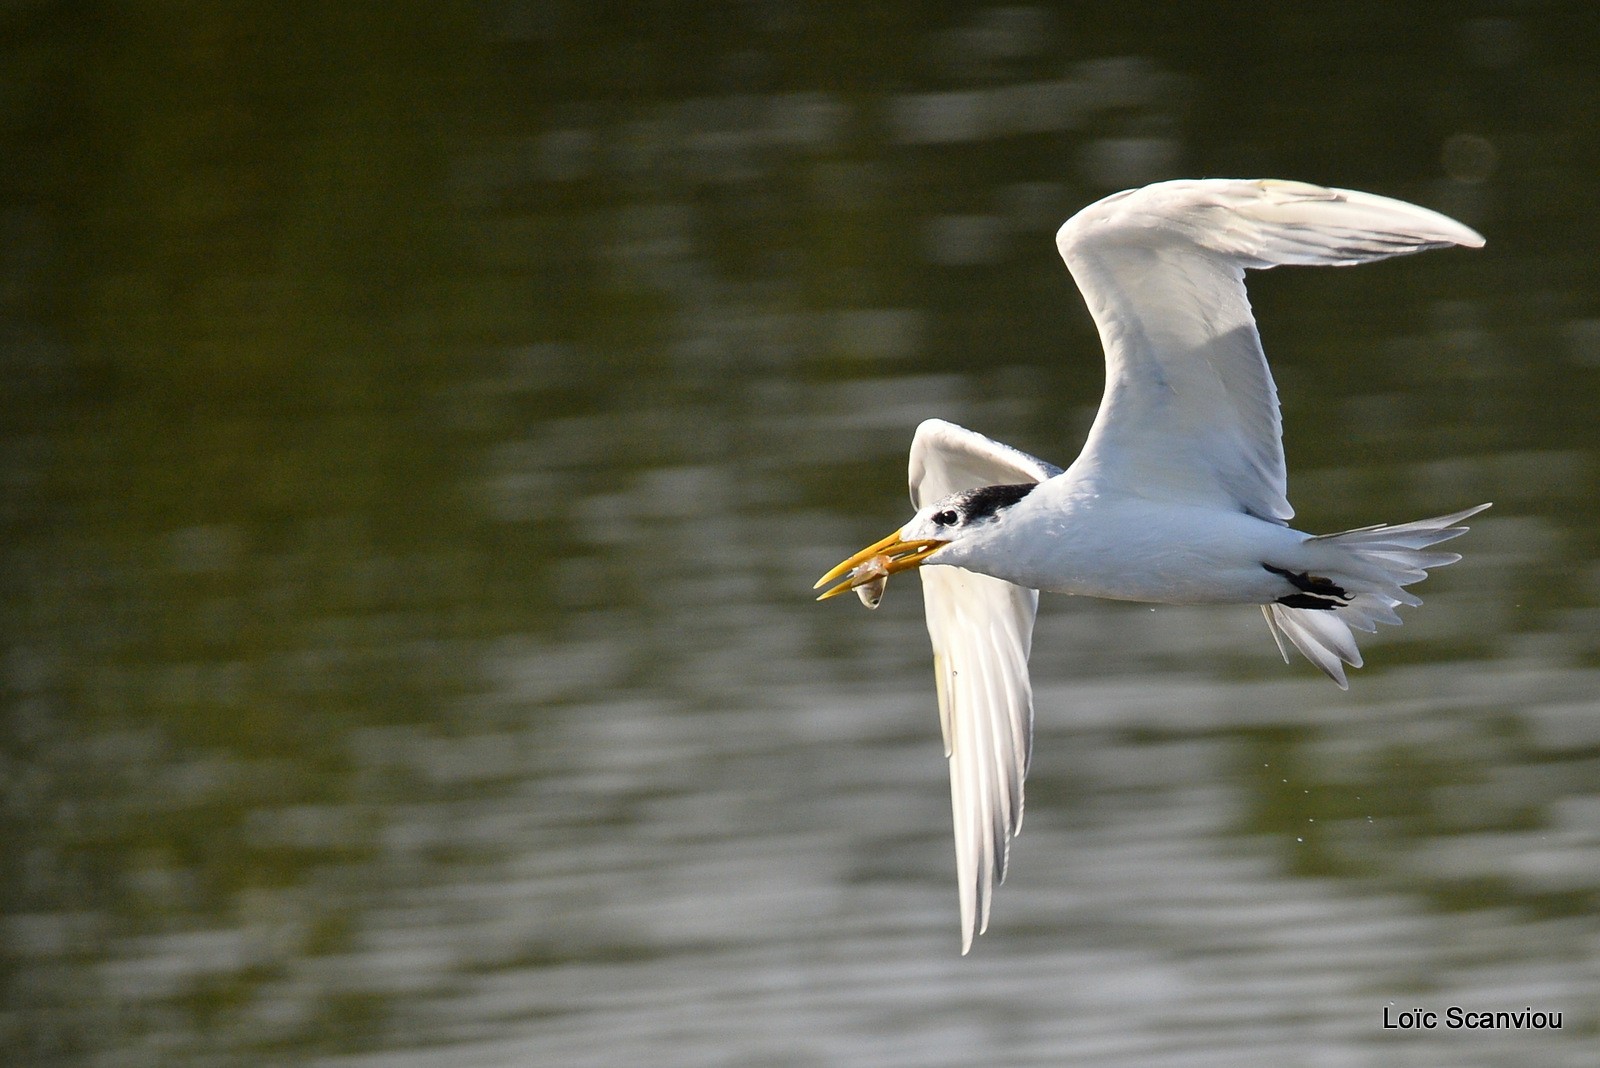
(413, 483)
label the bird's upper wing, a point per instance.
(1190, 412)
(982, 629)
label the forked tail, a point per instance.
(1369, 569)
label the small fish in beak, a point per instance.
(868, 571)
(876, 572)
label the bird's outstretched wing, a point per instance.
(1190, 412)
(982, 629)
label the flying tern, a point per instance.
(1178, 497)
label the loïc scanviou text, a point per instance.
(1457, 1018)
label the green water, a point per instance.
(422, 426)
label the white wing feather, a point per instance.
(982, 630)
(1190, 411)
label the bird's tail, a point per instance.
(1369, 569)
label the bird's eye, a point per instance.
(946, 518)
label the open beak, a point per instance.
(877, 562)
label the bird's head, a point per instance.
(940, 533)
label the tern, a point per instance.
(1178, 497)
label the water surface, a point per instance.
(421, 433)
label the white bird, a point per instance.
(1179, 494)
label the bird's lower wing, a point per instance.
(982, 630)
(946, 458)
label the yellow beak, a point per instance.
(878, 561)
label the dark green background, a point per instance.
(420, 427)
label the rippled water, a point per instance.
(421, 434)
